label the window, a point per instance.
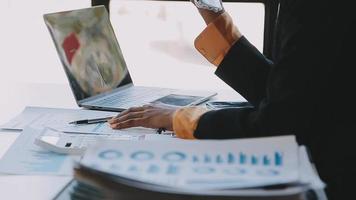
(157, 38)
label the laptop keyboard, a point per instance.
(135, 96)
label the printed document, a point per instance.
(59, 118)
(26, 158)
(204, 164)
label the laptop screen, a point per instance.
(89, 51)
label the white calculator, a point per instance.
(65, 143)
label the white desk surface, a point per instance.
(14, 98)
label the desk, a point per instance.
(15, 97)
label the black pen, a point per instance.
(160, 130)
(91, 121)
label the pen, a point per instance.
(91, 121)
(160, 130)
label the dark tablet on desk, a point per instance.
(178, 100)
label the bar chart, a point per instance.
(203, 164)
(274, 159)
(240, 158)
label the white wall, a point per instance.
(27, 53)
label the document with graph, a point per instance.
(203, 164)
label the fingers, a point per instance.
(126, 116)
(129, 123)
(132, 109)
(131, 117)
(208, 15)
(150, 116)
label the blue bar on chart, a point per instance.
(219, 159)
(266, 160)
(153, 169)
(133, 169)
(207, 158)
(172, 169)
(195, 159)
(230, 158)
(243, 158)
(278, 158)
(254, 160)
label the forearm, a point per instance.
(246, 70)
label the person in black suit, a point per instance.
(304, 89)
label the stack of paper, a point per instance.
(223, 168)
(26, 158)
(59, 118)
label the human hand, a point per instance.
(149, 116)
(208, 15)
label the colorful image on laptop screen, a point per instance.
(89, 50)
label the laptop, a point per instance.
(95, 67)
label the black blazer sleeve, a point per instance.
(246, 70)
(285, 92)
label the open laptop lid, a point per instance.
(89, 51)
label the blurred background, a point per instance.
(156, 38)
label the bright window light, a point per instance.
(157, 39)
